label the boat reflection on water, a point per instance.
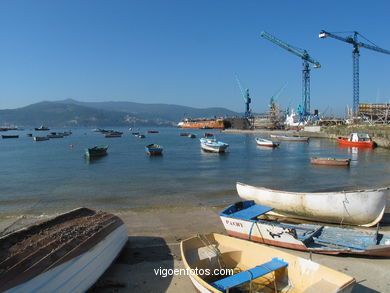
(94, 160)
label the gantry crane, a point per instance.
(353, 39)
(246, 96)
(306, 59)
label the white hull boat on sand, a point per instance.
(65, 254)
(357, 207)
(220, 263)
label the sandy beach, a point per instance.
(154, 242)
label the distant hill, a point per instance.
(71, 113)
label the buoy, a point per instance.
(71, 146)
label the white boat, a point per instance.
(218, 263)
(65, 254)
(40, 138)
(210, 144)
(357, 207)
(266, 142)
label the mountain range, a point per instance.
(72, 113)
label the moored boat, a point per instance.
(96, 151)
(251, 221)
(184, 134)
(356, 140)
(202, 123)
(67, 253)
(42, 128)
(113, 134)
(266, 142)
(152, 131)
(220, 263)
(29, 134)
(209, 143)
(191, 135)
(55, 135)
(345, 207)
(40, 138)
(330, 161)
(154, 149)
(10, 136)
(290, 138)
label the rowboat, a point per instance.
(154, 149)
(330, 161)
(356, 140)
(67, 253)
(345, 207)
(96, 151)
(10, 136)
(290, 138)
(251, 221)
(40, 138)
(220, 263)
(266, 142)
(210, 144)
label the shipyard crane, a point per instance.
(246, 96)
(353, 39)
(273, 99)
(306, 59)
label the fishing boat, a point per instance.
(290, 138)
(209, 143)
(10, 136)
(251, 221)
(40, 138)
(96, 151)
(154, 149)
(220, 263)
(356, 140)
(354, 207)
(42, 128)
(266, 142)
(330, 161)
(67, 253)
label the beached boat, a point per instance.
(96, 151)
(154, 149)
(10, 136)
(220, 263)
(40, 138)
(209, 143)
(266, 142)
(250, 221)
(355, 207)
(290, 138)
(356, 140)
(42, 128)
(330, 161)
(65, 254)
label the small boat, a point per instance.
(139, 135)
(135, 133)
(210, 144)
(356, 140)
(330, 161)
(191, 135)
(42, 128)
(29, 134)
(152, 131)
(55, 135)
(345, 207)
(251, 221)
(40, 138)
(66, 133)
(96, 151)
(154, 149)
(220, 263)
(266, 142)
(290, 138)
(113, 134)
(184, 134)
(67, 253)
(10, 136)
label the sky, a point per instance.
(188, 52)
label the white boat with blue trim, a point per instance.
(65, 254)
(209, 143)
(219, 263)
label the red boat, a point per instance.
(356, 140)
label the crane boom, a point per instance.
(353, 40)
(246, 96)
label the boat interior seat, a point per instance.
(249, 275)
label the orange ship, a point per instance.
(202, 123)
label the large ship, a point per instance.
(202, 123)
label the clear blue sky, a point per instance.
(187, 52)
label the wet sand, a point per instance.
(154, 239)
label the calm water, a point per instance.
(50, 176)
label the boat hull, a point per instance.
(363, 144)
(202, 124)
(330, 161)
(330, 207)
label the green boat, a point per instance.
(96, 151)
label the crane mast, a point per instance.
(246, 96)
(306, 59)
(353, 39)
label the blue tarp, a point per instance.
(251, 213)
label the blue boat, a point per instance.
(154, 149)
